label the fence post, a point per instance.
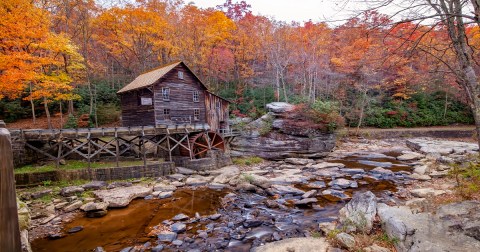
(9, 229)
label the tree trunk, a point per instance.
(61, 116)
(362, 109)
(47, 112)
(33, 106)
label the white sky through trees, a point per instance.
(293, 10)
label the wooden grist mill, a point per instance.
(165, 112)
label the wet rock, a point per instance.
(122, 196)
(216, 186)
(309, 194)
(55, 236)
(180, 217)
(164, 195)
(282, 190)
(117, 184)
(306, 201)
(177, 183)
(71, 190)
(39, 194)
(198, 180)
(157, 248)
(75, 229)
(325, 165)
(375, 163)
(410, 156)
(94, 206)
(95, 185)
(96, 214)
(246, 187)
(426, 192)
(421, 169)
(360, 212)
(252, 223)
(343, 183)
(317, 185)
(99, 249)
(177, 242)
(335, 193)
(306, 244)
(167, 236)
(353, 171)
(73, 206)
(178, 227)
(271, 204)
(185, 171)
(176, 177)
(328, 172)
(376, 248)
(382, 171)
(346, 240)
(162, 187)
(298, 161)
(420, 177)
(214, 216)
(127, 249)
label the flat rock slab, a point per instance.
(281, 189)
(430, 145)
(448, 230)
(306, 244)
(121, 196)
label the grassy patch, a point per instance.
(73, 165)
(248, 177)
(247, 160)
(467, 177)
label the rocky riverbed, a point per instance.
(242, 208)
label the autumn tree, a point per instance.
(33, 57)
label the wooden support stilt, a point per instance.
(168, 145)
(144, 149)
(88, 149)
(117, 148)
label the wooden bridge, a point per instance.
(191, 140)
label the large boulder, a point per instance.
(360, 212)
(273, 137)
(279, 107)
(121, 196)
(451, 228)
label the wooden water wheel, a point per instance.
(202, 142)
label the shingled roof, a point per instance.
(149, 78)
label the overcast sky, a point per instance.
(292, 10)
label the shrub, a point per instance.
(247, 160)
(72, 122)
(468, 178)
(108, 113)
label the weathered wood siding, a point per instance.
(217, 111)
(134, 114)
(181, 102)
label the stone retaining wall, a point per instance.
(114, 173)
(215, 160)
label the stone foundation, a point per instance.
(214, 160)
(114, 173)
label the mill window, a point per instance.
(196, 114)
(196, 96)
(166, 94)
(166, 114)
(180, 75)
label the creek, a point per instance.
(247, 219)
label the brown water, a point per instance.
(356, 162)
(129, 226)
